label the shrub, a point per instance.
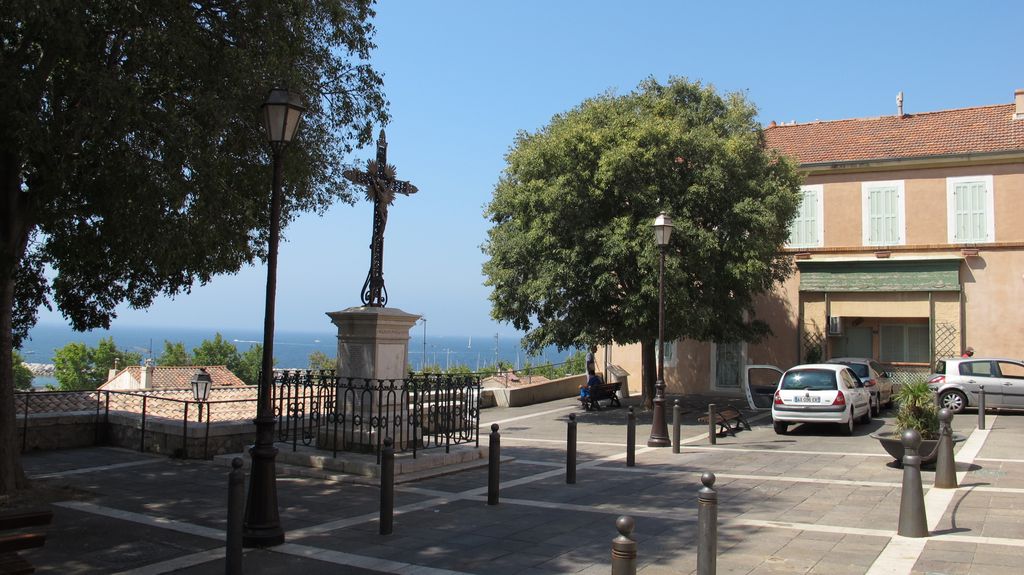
(918, 410)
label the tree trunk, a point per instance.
(648, 371)
(13, 239)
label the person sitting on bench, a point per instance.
(591, 381)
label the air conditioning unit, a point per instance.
(835, 326)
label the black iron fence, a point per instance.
(318, 409)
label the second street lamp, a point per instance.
(659, 428)
(282, 112)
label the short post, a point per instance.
(945, 465)
(493, 463)
(631, 438)
(913, 519)
(707, 526)
(712, 424)
(981, 407)
(624, 547)
(570, 450)
(387, 487)
(236, 508)
(676, 423)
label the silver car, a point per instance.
(957, 381)
(874, 377)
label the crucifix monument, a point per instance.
(373, 340)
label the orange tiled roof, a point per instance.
(180, 377)
(947, 132)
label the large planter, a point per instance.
(893, 444)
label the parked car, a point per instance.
(957, 382)
(875, 379)
(820, 393)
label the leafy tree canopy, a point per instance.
(250, 362)
(217, 351)
(320, 360)
(174, 354)
(572, 257)
(22, 374)
(80, 367)
(132, 160)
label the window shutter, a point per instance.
(971, 217)
(804, 231)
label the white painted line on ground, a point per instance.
(808, 527)
(95, 469)
(183, 562)
(899, 556)
(360, 561)
(507, 438)
(780, 451)
(936, 501)
(998, 460)
(528, 416)
(366, 518)
(151, 521)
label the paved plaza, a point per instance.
(809, 502)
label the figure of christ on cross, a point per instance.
(381, 187)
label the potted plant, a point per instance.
(919, 411)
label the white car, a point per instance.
(820, 393)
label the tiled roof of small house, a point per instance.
(180, 377)
(947, 132)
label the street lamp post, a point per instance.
(423, 367)
(201, 382)
(659, 428)
(281, 113)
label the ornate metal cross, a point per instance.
(381, 187)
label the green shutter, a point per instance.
(971, 211)
(883, 215)
(804, 230)
(880, 276)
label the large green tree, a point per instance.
(174, 354)
(572, 257)
(22, 374)
(80, 367)
(132, 160)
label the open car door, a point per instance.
(759, 384)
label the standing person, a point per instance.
(969, 352)
(591, 360)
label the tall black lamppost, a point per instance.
(281, 113)
(659, 429)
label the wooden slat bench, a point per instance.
(729, 420)
(10, 545)
(608, 391)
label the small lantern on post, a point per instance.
(201, 383)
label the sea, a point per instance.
(291, 348)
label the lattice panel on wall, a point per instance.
(947, 341)
(813, 340)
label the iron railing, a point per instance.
(318, 409)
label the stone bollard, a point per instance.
(624, 547)
(913, 519)
(493, 465)
(676, 423)
(236, 509)
(712, 423)
(945, 465)
(981, 407)
(570, 450)
(387, 487)
(631, 438)
(707, 526)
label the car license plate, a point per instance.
(807, 399)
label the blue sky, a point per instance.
(464, 77)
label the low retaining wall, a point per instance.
(538, 392)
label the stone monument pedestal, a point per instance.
(373, 350)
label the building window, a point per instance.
(806, 230)
(969, 210)
(668, 349)
(883, 214)
(909, 343)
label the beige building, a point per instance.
(908, 246)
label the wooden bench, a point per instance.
(729, 420)
(10, 545)
(598, 392)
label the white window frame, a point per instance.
(819, 217)
(713, 382)
(901, 225)
(990, 212)
(671, 348)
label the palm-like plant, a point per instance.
(917, 410)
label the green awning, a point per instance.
(880, 276)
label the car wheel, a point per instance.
(888, 404)
(953, 400)
(866, 418)
(847, 428)
(875, 407)
(781, 427)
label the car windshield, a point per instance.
(809, 379)
(859, 368)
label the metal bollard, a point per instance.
(624, 547)
(570, 450)
(387, 487)
(981, 407)
(236, 508)
(913, 519)
(707, 526)
(631, 438)
(676, 423)
(945, 465)
(493, 464)
(712, 424)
